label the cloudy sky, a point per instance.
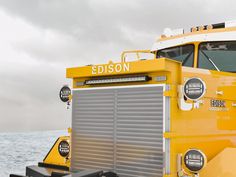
(40, 38)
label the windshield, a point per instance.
(220, 56)
(183, 54)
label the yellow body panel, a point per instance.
(204, 128)
(53, 157)
(136, 67)
(221, 165)
(211, 131)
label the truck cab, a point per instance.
(170, 115)
(164, 116)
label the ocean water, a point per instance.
(18, 150)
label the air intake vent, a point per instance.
(119, 129)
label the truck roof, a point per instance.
(197, 35)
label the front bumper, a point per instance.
(48, 170)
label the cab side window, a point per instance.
(183, 54)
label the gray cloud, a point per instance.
(108, 27)
(58, 34)
(29, 99)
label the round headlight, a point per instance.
(64, 148)
(65, 93)
(194, 160)
(194, 88)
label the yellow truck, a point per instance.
(171, 115)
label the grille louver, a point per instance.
(119, 129)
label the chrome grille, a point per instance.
(119, 129)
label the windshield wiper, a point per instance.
(210, 60)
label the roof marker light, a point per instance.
(231, 23)
(169, 32)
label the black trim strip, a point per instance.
(145, 79)
(58, 167)
(218, 25)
